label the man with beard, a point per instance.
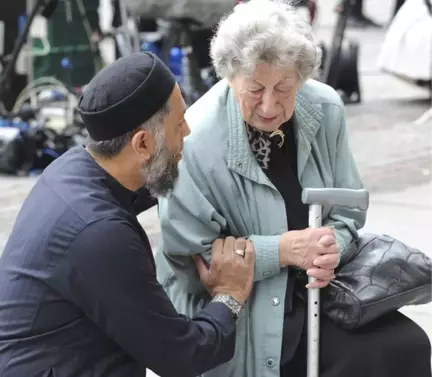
(78, 288)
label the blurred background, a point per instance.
(377, 54)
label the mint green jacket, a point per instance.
(223, 191)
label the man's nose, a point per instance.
(186, 130)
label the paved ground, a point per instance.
(393, 154)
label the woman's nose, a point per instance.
(268, 104)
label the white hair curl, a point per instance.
(265, 31)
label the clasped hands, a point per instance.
(313, 250)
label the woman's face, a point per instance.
(267, 96)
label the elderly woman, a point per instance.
(263, 133)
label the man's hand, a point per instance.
(230, 273)
(313, 250)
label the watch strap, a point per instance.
(230, 302)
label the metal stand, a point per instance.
(127, 42)
(21, 41)
(179, 34)
(340, 69)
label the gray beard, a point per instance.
(161, 172)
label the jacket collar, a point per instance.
(307, 120)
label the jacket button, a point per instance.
(270, 363)
(275, 301)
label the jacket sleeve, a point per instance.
(189, 225)
(345, 221)
(109, 273)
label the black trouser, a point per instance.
(393, 346)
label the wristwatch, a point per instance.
(231, 303)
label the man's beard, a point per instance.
(161, 171)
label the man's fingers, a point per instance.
(229, 245)
(240, 244)
(249, 253)
(217, 249)
(201, 267)
(328, 261)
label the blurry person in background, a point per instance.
(407, 49)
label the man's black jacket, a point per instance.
(78, 290)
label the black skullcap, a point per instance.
(124, 95)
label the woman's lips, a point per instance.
(268, 120)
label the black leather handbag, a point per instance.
(377, 274)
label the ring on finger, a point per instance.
(240, 252)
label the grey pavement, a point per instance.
(393, 155)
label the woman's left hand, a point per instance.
(324, 267)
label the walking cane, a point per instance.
(316, 198)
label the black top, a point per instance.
(281, 170)
(78, 290)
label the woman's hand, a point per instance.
(313, 250)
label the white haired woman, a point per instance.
(257, 138)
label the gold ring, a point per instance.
(240, 252)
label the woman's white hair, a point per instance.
(265, 31)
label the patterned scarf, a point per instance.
(261, 145)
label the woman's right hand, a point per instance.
(229, 273)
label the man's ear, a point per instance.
(143, 143)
